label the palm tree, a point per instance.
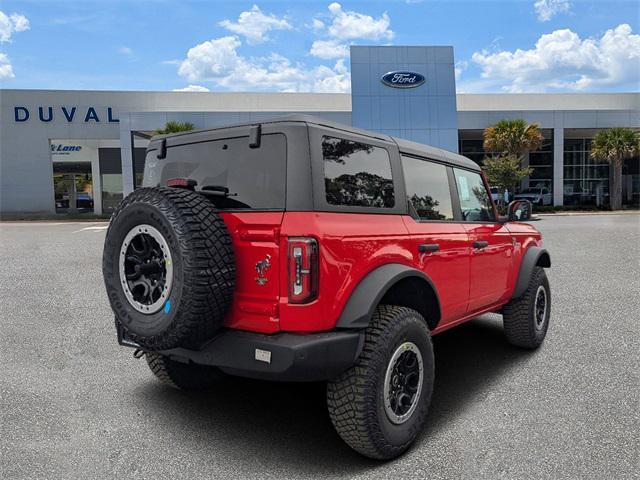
(175, 127)
(510, 140)
(513, 138)
(614, 146)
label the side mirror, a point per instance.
(519, 211)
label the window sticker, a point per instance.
(464, 189)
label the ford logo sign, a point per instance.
(402, 79)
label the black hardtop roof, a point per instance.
(405, 146)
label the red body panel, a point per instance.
(448, 268)
(468, 281)
(255, 235)
(490, 266)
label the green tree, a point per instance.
(614, 146)
(505, 172)
(175, 127)
(510, 140)
(513, 138)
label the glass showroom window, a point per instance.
(542, 163)
(586, 181)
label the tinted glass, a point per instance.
(475, 201)
(357, 174)
(255, 177)
(428, 189)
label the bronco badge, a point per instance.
(261, 267)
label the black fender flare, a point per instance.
(366, 296)
(534, 256)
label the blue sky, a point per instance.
(500, 46)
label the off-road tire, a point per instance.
(355, 399)
(519, 315)
(203, 268)
(184, 376)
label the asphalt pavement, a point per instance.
(73, 404)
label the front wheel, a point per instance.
(379, 405)
(526, 319)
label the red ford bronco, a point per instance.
(302, 250)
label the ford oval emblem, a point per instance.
(402, 79)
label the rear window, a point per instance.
(428, 188)
(255, 177)
(357, 174)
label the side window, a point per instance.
(357, 174)
(428, 188)
(475, 201)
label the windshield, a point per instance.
(535, 191)
(227, 171)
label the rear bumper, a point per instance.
(284, 356)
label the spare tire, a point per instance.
(168, 268)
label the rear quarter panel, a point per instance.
(351, 245)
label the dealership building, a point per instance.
(70, 152)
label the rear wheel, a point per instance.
(526, 319)
(379, 406)
(185, 376)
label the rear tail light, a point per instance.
(303, 269)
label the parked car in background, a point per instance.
(537, 196)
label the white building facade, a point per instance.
(70, 152)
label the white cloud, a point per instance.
(561, 60)
(210, 59)
(192, 88)
(346, 25)
(10, 24)
(254, 25)
(329, 49)
(218, 61)
(127, 51)
(547, 9)
(460, 67)
(332, 80)
(6, 70)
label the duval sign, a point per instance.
(47, 114)
(403, 79)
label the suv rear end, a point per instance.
(257, 179)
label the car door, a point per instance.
(490, 242)
(440, 244)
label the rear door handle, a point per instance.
(428, 247)
(480, 244)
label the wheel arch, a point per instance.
(533, 257)
(393, 284)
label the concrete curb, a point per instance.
(571, 214)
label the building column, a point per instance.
(96, 181)
(126, 155)
(558, 166)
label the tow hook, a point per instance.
(138, 353)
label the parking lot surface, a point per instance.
(76, 405)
